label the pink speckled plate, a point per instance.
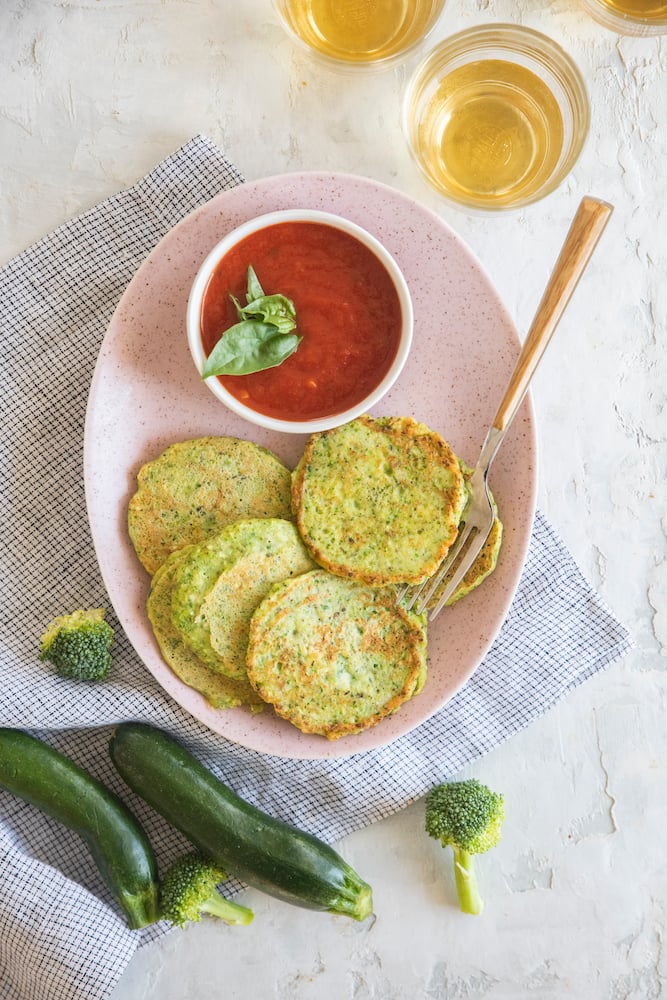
(146, 394)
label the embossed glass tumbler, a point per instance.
(359, 34)
(496, 116)
(630, 17)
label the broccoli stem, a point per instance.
(232, 913)
(470, 900)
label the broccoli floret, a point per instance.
(78, 645)
(466, 816)
(189, 888)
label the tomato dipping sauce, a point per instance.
(347, 311)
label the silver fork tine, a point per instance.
(432, 585)
(433, 581)
(474, 549)
(478, 516)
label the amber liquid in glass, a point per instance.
(492, 133)
(646, 9)
(359, 30)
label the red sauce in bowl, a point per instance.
(347, 310)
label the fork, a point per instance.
(478, 516)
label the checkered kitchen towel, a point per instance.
(56, 300)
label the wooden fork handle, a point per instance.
(587, 226)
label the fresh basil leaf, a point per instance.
(255, 290)
(278, 304)
(276, 309)
(261, 339)
(250, 346)
(237, 306)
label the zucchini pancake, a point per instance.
(219, 691)
(335, 656)
(218, 583)
(196, 487)
(379, 500)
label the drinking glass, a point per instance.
(359, 34)
(496, 116)
(630, 17)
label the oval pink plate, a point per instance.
(146, 394)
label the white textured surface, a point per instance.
(93, 94)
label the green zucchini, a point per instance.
(264, 852)
(57, 786)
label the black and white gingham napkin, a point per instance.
(56, 300)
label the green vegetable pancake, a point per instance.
(195, 488)
(335, 656)
(379, 500)
(219, 691)
(219, 583)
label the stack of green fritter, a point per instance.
(250, 608)
(202, 599)
(205, 508)
(219, 690)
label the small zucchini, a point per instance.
(264, 852)
(57, 786)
